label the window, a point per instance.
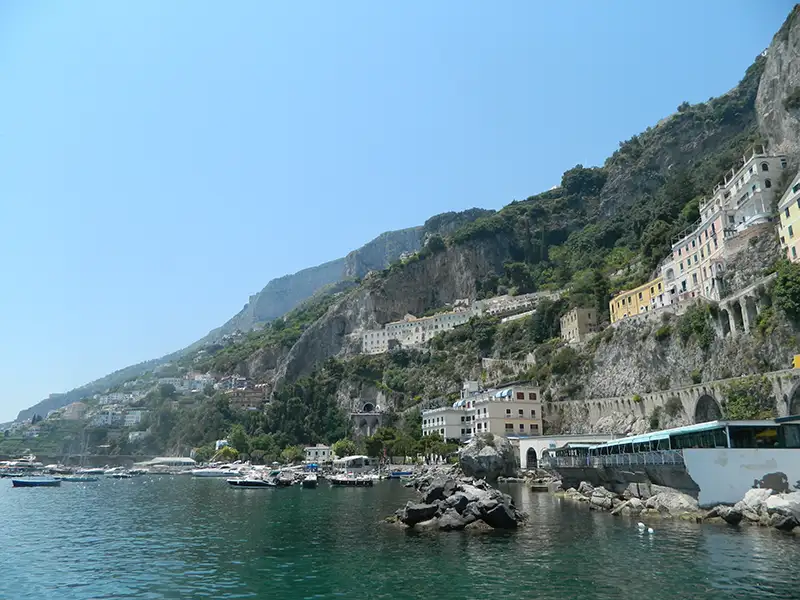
(521, 412)
(794, 252)
(681, 264)
(695, 259)
(463, 431)
(659, 287)
(731, 219)
(764, 167)
(796, 188)
(767, 183)
(534, 427)
(508, 412)
(462, 419)
(533, 414)
(791, 233)
(787, 212)
(715, 244)
(640, 295)
(509, 427)
(520, 395)
(531, 395)
(522, 426)
(783, 241)
(480, 425)
(783, 163)
(694, 278)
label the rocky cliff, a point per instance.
(778, 101)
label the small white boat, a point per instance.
(118, 473)
(251, 482)
(351, 480)
(310, 481)
(91, 471)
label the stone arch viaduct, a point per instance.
(700, 402)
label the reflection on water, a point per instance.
(196, 538)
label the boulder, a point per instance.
(784, 504)
(585, 488)
(672, 503)
(634, 506)
(730, 515)
(439, 489)
(488, 456)
(754, 499)
(417, 513)
(501, 516)
(601, 501)
(451, 520)
(785, 522)
(555, 486)
(458, 501)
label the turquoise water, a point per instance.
(179, 537)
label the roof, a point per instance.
(666, 433)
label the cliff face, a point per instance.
(419, 286)
(778, 101)
(381, 251)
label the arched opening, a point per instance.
(368, 407)
(751, 311)
(738, 322)
(531, 461)
(707, 410)
(670, 274)
(725, 322)
(794, 401)
(767, 183)
(764, 166)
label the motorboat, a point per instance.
(118, 473)
(36, 482)
(400, 474)
(91, 471)
(217, 471)
(251, 482)
(139, 471)
(310, 480)
(351, 480)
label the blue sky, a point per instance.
(161, 161)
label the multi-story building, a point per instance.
(512, 410)
(74, 411)
(789, 228)
(579, 324)
(134, 417)
(743, 199)
(448, 422)
(646, 297)
(412, 331)
(318, 453)
(108, 418)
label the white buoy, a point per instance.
(640, 525)
(650, 530)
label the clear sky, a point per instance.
(161, 161)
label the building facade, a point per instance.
(411, 331)
(649, 296)
(318, 453)
(246, 399)
(789, 227)
(74, 411)
(506, 411)
(134, 417)
(579, 324)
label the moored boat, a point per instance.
(79, 478)
(400, 474)
(216, 471)
(310, 480)
(36, 482)
(251, 482)
(350, 480)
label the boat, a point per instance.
(216, 471)
(36, 482)
(310, 480)
(79, 478)
(139, 471)
(350, 480)
(251, 482)
(400, 474)
(120, 475)
(90, 471)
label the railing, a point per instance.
(642, 459)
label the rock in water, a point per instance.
(488, 456)
(417, 513)
(501, 516)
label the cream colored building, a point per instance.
(74, 411)
(512, 410)
(412, 331)
(318, 453)
(789, 226)
(579, 324)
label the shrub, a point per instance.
(565, 361)
(749, 398)
(673, 406)
(663, 382)
(697, 376)
(663, 332)
(786, 292)
(792, 101)
(695, 325)
(655, 418)
(637, 398)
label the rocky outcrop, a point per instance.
(778, 100)
(762, 507)
(637, 499)
(488, 456)
(452, 502)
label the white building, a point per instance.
(515, 410)
(412, 331)
(318, 453)
(134, 417)
(31, 432)
(743, 199)
(108, 418)
(135, 436)
(74, 411)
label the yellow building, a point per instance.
(789, 229)
(644, 298)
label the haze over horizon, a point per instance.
(163, 162)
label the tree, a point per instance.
(749, 398)
(786, 292)
(238, 439)
(293, 454)
(208, 390)
(435, 243)
(204, 453)
(344, 447)
(166, 391)
(226, 454)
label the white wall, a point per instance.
(724, 475)
(542, 443)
